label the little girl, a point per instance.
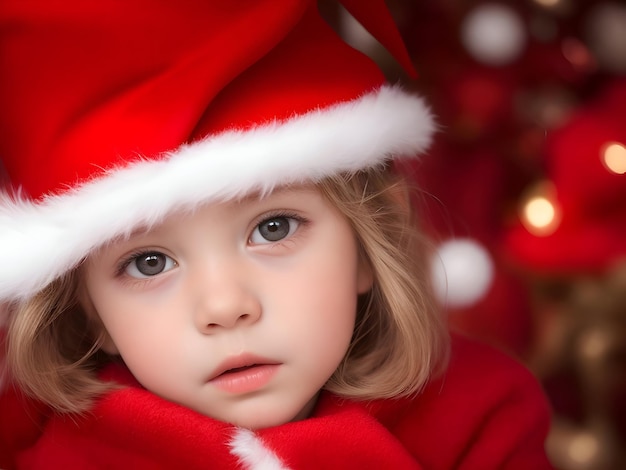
(209, 254)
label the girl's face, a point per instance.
(241, 311)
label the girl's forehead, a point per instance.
(284, 194)
(291, 189)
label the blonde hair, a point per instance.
(399, 341)
(53, 347)
(400, 338)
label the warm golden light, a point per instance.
(594, 345)
(540, 213)
(548, 3)
(614, 158)
(583, 448)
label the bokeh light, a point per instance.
(540, 212)
(494, 34)
(606, 35)
(614, 158)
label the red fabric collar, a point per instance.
(133, 428)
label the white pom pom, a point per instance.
(493, 34)
(462, 272)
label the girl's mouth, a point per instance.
(244, 374)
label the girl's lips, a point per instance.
(246, 380)
(244, 374)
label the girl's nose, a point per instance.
(225, 300)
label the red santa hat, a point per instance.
(586, 192)
(115, 113)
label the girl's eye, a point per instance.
(274, 229)
(149, 264)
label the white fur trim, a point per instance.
(252, 453)
(40, 241)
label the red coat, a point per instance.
(486, 412)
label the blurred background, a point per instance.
(524, 192)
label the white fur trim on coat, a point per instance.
(252, 453)
(40, 241)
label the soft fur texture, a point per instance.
(252, 452)
(41, 240)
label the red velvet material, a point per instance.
(104, 82)
(485, 412)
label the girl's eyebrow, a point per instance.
(279, 191)
(137, 231)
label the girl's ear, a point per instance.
(106, 342)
